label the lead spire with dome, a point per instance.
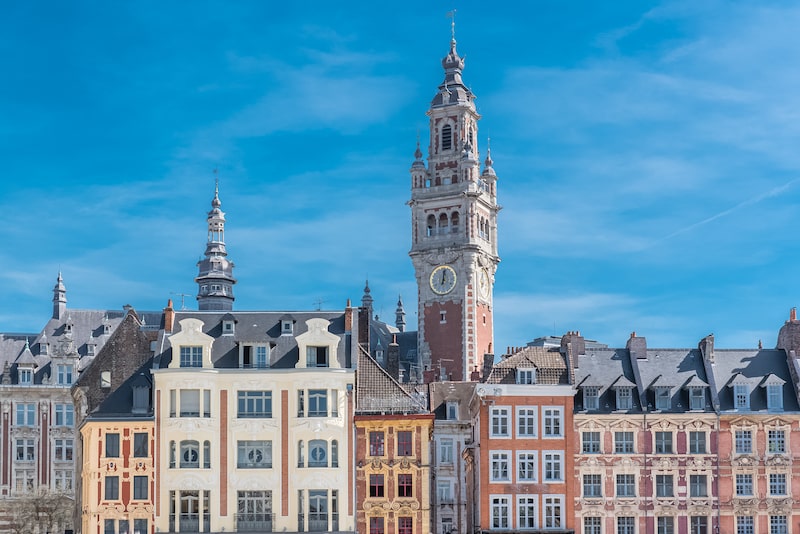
(215, 272)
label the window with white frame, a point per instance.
(255, 355)
(26, 414)
(664, 486)
(24, 479)
(553, 465)
(526, 376)
(447, 525)
(63, 450)
(665, 525)
(777, 484)
(624, 398)
(499, 417)
(501, 512)
(444, 491)
(590, 442)
(626, 525)
(745, 524)
(743, 441)
(591, 397)
(697, 442)
(190, 402)
(191, 356)
(744, 485)
(254, 454)
(592, 525)
(64, 374)
(446, 451)
(25, 376)
(526, 466)
(553, 421)
(452, 410)
(776, 441)
(254, 404)
(26, 450)
(317, 403)
(663, 443)
(592, 485)
(663, 398)
(526, 512)
(778, 524)
(553, 510)
(65, 415)
(698, 486)
(626, 485)
(526, 421)
(63, 479)
(697, 398)
(500, 470)
(698, 524)
(741, 397)
(775, 397)
(623, 442)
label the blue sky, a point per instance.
(647, 155)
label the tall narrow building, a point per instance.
(215, 272)
(454, 233)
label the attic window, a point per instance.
(663, 398)
(452, 410)
(697, 398)
(287, 326)
(741, 397)
(526, 376)
(624, 398)
(316, 356)
(141, 399)
(90, 349)
(591, 397)
(25, 376)
(227, 327)
(774, 397)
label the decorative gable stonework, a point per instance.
(317, 336)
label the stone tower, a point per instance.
(215, 272)
(454, 232)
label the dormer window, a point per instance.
(105, 379)
(227, 327)
(379, 355)
(44, 348)
(255, 356)
(452, 410)
(591, 397)
(25, 376)
(316, 356)
(775, 397)
(287, 327)
(526, 376)
(741, 397)
(90, 349)
(624, 398)
(106, 328)
(141, 399)
(191, 356)
(697, 398)
(663, 398)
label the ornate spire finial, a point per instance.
(452, 16)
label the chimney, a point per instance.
(573, 345)
(348, 317)
(428, 376)
(706, 347)
(169, 316)
(793, 315)
(637, 347)
(475, 375)
(393, 359)
(488, 363)
(363, 327)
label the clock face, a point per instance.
(443, 279)
(484, 285)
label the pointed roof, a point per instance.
(26, 359)
(378, 393)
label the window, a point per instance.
(64, 374)
(376, 525)
(255, 404)
(526, 512)
(65, 415)
(591, 398)
(663, 442)
(626, 485)
(301, 403)
(776, 441)
(778, 524)
(697, 398)
(140, 487)
(376, 486)
(206, 454)
(25, 376)
(317, 403)
(63, 450)
(592, 525)
(404, 485)
(300, 454)
(626, 525)
(744, 524)
(123, 527)
(665, 525)
(698, 524)
(775, 397)
(624, 398)
(777, 484)
(191, 356)
(444, 491)
(499, 420)
(623, 442)
(526, 376)
(499, 461)
(23, 479)
(743, 441)
(112, 445)
(26, 450)
(254, 454)
(553, 422)
(744, 485)
(664, 486)
(105, 379)
(404, 525)
(663, 398)
(526, 422)
(404, 444)
(316, 356)
(111, 488)
(447, 525)
(526, 466)
(591, 443)
(592, 485)
(190, 403)
(140, 444)
(287, 326)
(447, 137)
(26, 414)
(553, 462)
(109, 527)
(552, 511)
(446, 451)
(254, 510)
(697, 442)
(63, 479)
(698, 486)
(741, 397)
(140, 526)
(376, 444)
(190, 454)
(255, 356)
(317, 453)
(501, 510)
(452, 410)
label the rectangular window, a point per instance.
(592, 485)
(778, 524)
(592, 525)
(254, 454)
(141, 487)
(26, 414)
(376, 486)
(444, 491)
(623, 442)
(405, 485)
(316, 356)
(64, 374)
(404, 443)
(591, 397)
(777, 484)
(501, 510)
(526, 466)
(63, 450)
(499, 422)
(301, 403)
(63, 479)
(109, 526)
(191, 356)
(317, 403)
(65, 415)
(25, 376)
(665, 525)
(526, 422)
(663, 398)
(744, 485)
(624, 398)
(697, 443)
(663, 442)
(698, 486)
(697, 398)
(375, 525)
(744, 441)
(23, 479)
(626, 525)
(698, 524)
(776, 441)
(499, 460)
(140, 526)
(775, 397)
(526, 512)
(741, 397)
(26, 450)
(112, 445)
(452, 410)
(591, 443)
(553, 510)
(190, 402)
(111, 488)
(626, 485)
(405, 525)
(255, 404)
(526, 376)
(553, 465)
(553, 422)
(376, 444)
(744, 524)
(446, 451)
(664, 486)
(141, 442)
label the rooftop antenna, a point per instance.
(183, 298)
(318, 303)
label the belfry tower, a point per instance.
(454, 232)
(215, 272)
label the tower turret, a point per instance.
(59, 298)
(215, 272)
(400, 315)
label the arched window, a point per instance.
(334, 453)
(317, 453)
(431, 229)
(190, 454)
(207, 454)
(443, 224)
(454, 222)
(447, 137)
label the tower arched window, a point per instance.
(443, 224)
(454, 222)
(431, 226)
(447, 137)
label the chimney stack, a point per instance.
(637, 346)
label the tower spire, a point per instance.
(400, 315)
(215, 272)
(59, 297)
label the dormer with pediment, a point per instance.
(773, 386)
(191, 347)
(317, 347)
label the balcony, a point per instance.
(254, 522)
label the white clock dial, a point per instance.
(443, 279)
(484, 283)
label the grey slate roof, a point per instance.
(753, 366)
